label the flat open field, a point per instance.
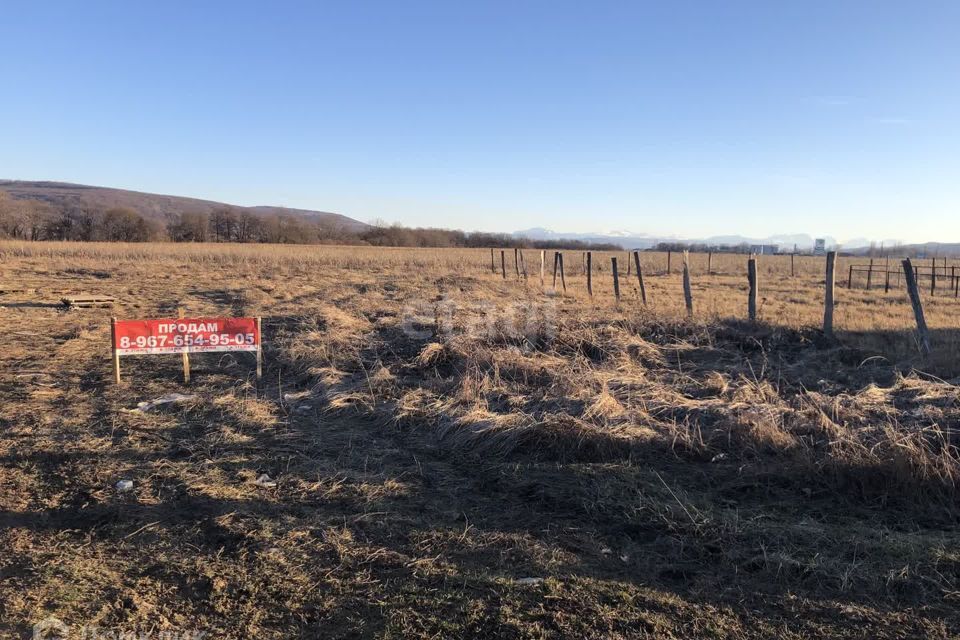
(454, 454)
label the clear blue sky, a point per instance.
(690, 118)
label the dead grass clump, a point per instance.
(484, 431)
(471, 390)
(685, 437)
(432, 354)
(716, 384)
(643, 352)
(604, 407)
(416, 407)
(754, 393)
(760, 430)
(331, 338)
(563, 437)
(246, 412)
(899, 466)
(382, 379)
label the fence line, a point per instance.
(948, 273)
(909, 273)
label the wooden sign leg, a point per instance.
(113, 349)
(186, 356)
(259, 350)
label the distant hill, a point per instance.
(156, 207)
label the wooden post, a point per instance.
(933, 276)
(543, 254)
(687, 293)
(709, 263)
(643, 290)
(186, 356)
(752, 280)
(583, 262)
(113, 349)
(616, 279)
(669, 253)
(556, 265)
(493, 266)
(869, 274)
(259, 348)
(850, 278)
(886, 269)
(828, 295)
(523, 266)
(516, 261)
(563, 280)
(914, 292)
(628, 264)
(792, 272)
(503, 263)
(590, 273)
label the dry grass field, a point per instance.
(455, 454)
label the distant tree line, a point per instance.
(38, 220)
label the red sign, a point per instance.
(185, 335)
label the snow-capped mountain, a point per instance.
(633, 240)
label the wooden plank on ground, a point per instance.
(84, 301)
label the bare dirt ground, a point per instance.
(456, 455)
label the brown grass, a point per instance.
(438, 434)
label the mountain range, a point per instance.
(629, 240)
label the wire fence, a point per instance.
(938, 275)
